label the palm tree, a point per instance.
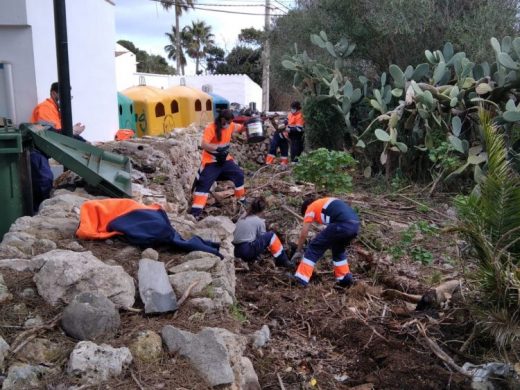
(180, 6)
(199, 39)
(171, 49)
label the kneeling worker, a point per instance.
(251, 239)
(342, 227)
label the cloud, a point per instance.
(144, 22)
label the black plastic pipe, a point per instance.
(62, 56)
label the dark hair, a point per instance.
(296, 105)
(306, 204)
(55, 87)
(257, 206)
(227, 115)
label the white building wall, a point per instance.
(16, 49)
(28, 43)
(237, 88)
(92, 33)
(125, 69)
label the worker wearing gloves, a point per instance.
(342, 227)
(48, 112)
(295, 125)
(279, 141)
(251, 239)
(217, 163)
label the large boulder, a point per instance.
(216, 354)
(90, 316)
(97, 363)
(206, 352)
(65, 274)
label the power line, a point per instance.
(225, 11)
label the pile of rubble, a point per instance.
(89, 290)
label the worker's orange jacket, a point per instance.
(47, 111)
(210, 136)
(295, 120)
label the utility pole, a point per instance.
(62, 55)
(267, 58)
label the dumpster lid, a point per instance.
(109, 172)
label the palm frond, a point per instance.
(490, 222)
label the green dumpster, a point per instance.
(15, 180)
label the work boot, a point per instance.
(283, 261)
(347, 281)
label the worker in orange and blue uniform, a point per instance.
(48, 112)
(251, 239)
(217, 163)
(295, 125)
(342, 227)
(279, 141)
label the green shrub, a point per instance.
(490, 222)
(328, 170)
(324, 125)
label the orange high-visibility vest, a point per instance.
(210, 136)
(47, 111)
(295, 119)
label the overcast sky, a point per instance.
(144, 22)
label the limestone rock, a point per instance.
(4, 291)
(261, 337)
(97, 363)
(32, 322)
(90, 316)
(247, 375)
(200, 264)
(74, 246)
(183, 280)
(206, 352)
(222, 224)
(23, 376)
(28, 243)
(40, 351)
(204, 233)
(154, 287)
(22, 265)
(216, 354)
(147, 347)
(4, 349)
(150, 253)
(66, 274)
(11, 252)
(219, 300)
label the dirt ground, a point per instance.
(321, 337)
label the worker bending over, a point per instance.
(217, 163)
(251, 239)
(342, 227)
